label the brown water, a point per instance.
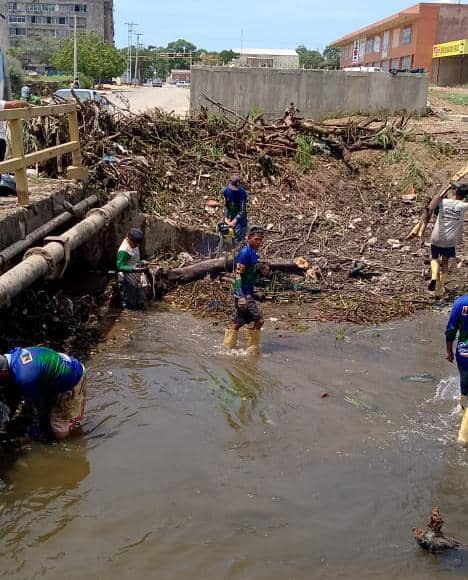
(196, 465)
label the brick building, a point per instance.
(32, 19)
(406, 39)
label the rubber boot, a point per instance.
(463, 402)
(230, 338)
(440, 288)
(435, 271)
(253, 341)
(463, 433)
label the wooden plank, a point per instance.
(37, 157)
(32, 112)
(74, 136)
(17, 150)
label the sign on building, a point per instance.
(454, 48)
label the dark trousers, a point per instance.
(3, 147)
(132, 297)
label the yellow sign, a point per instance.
(455, 48)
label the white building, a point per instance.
(266, 58)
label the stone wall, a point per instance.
(315, 92)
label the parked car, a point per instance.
(182, 84)
(157, 83)
(82, 95)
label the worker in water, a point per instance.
(131, 270)
(447, 233)
(5, 105)
(49, 387)
(246, 312)
(27, 97)
(458, 324)
(235, 209)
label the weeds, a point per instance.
(306, 149)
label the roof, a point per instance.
(266, 51)
(403, 17)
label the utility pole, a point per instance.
(139, 34)
(131, 27)
(75, 50)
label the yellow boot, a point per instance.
(253, 341)
(435, 272)
(463, 433)
(440, 288)
(463, 402)
(230, 338)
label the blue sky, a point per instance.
(215, 24)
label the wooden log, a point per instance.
(217, 266)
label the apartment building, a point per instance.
(406, 39)
(4, 38)
(30, 19)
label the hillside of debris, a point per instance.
(343, 193)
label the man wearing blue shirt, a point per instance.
(53, 386)
(247, 312)
(235, 209)
(458, 324)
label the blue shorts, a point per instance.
(437, 251)
(462, 362)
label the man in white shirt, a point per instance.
(447, 233)
(3, 124)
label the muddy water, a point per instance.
(196, 465)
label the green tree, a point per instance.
(96, 58)
(16, 74)
(37, 51)
(181, 45)
(331, 57)
(226, 56)
(309, 58)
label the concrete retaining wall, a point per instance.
(315, 92)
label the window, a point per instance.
(395, 63)
(80, 8)
(396, 38)
(62, 20)
(259, 62)
(406, 35)
(17, 19)
(369, 45)
(407, 62)
(385, 65)
(17, 31)
(377, 43)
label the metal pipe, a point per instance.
(20, 246)
(39, 262)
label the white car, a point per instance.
(182, 84)
(83, 95)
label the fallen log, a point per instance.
(217, 266)
(432, 538)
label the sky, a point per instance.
(218, 24)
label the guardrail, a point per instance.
(19, 162)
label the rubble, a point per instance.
(339, 192)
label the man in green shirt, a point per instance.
(131, 270)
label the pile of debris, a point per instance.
(343, 193)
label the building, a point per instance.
(30, 19)
(406, 39)
(450, 63)
(4, 38)
(177, 75)
(266, 58)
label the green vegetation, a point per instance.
(314, 59)
(306, 149)
(16, 74)
(458, 98)
(96, 59)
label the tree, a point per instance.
(309, 58)
(96, 59)
(331, 57)
(16, 74)
(181, 45)
(36, 51)
(226, 56)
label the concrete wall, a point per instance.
(316, 93)
(453, 23)
(450, 71)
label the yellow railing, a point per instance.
(19, 162)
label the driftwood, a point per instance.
(219, 265)
(432, 538)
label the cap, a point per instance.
(234, 181)
(136, 235)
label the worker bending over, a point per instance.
(131, 271)
(48, 386)
(447, 233)
(458, 324)
(247, 268)
(235, 209)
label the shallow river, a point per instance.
(197, 465)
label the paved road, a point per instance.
(167, 98)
